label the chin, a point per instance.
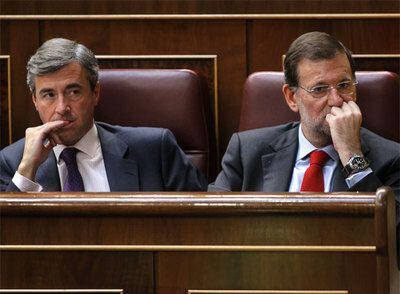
(67, 139)
(327, 131)
(324, 131)
(326, 138)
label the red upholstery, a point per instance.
(171, 99)
(377, 95)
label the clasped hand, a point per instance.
(39, 141)
(345, 123)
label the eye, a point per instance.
(73, 93)
(48, 95)
(320, 89)
(344, 85)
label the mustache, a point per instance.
(69, 118)
(326, 112)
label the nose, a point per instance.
(334, 98)
(62, 106)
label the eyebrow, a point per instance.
(322, 83)
(74, 85)
(68, 87)
(45, 90)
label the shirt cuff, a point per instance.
(25, 185)
(355, 178)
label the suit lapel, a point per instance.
(339, 182)
(279, 161)
(47, 175)
(122, 172)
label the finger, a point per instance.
(48, 127)
(46, 143)
(336, 111)
(53, 143)
(353, 111)
(56, 139)
(49, 143)
(346, 108)
(354, 106)
(329, 118)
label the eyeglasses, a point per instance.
(344, 88)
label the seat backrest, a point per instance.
(378, 97)
(171, 99)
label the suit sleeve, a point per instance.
(6, 175)
(231, 176)
(179, 174)
(384, 156)
(387, 175)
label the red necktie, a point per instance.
(313, 180)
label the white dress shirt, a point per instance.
(90, 164)
(303, 162)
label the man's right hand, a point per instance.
(345, 124)
(35, 150)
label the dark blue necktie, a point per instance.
(74, 180)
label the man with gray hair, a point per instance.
(71, 152)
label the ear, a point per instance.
(96, 93)
(34, 99)
(289, 97)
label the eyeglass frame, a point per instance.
(329, 88)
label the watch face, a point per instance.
(358, 163)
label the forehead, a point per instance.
(324, 71)
(70, 73)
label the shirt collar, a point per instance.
(88, 144)
(305, 148)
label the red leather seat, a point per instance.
(378, 94)
(172, 99)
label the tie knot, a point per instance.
(69, 155)
(318, 157)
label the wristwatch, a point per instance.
(356, 164)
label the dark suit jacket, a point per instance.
(136, 159)
(263, 160)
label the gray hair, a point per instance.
(58, 52)
(314, 46)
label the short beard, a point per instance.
(323, 134)
(320, 132)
